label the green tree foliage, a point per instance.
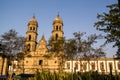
(70, 48)
(56, 46)
(13, 43)
(119, 4)
(110, 24)
(78, 46)
(88, 49)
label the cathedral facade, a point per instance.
(38, 57)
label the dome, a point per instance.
(33, 21)
(58, 20)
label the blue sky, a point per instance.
(77, 15)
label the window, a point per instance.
(29, 37)
(59, 27)
(26, 61)
(76, 65)
(28, 47)
(56, 36)
(55, 61)
(68, 65)
(33, 28)
(81, 67)
(93, 66)
(84, 66)
(30, 28)
(118, 65)
(56, 27)
(101, 66)
(40, 62)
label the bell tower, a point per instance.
(31, 35)
(57, 30)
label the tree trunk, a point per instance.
(119, 4)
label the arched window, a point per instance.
(93, 66)
(33, 28)
(40, 62)
(118, 65)
(56, 27)
(101, 66)
(28, 47)
(59, 27)
(68, 65)
(76, 66)
(56, 36)
(29, 37)
(84, 66)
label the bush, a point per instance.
(46, 75)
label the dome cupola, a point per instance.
(58, 20)
(33, 21)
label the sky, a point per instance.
(77, 15)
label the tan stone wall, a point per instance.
(0, 64)
(3, 65)
(100, 65)
(34, 63)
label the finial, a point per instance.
(43, 37)
(33, 15)
(58, 14)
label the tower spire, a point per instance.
(33, 15)
(58, 15)
(57, 31)
(31, 35)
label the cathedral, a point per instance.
(39, 58)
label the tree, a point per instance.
(12, 41)
(56, 46)
(78, 38)
(119, 4)
(83, 48)
(21, 56)
(70, 48)
(88, 49)
(110, 24)
(12, 44)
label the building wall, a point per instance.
(0, 64)
(102, 65)
(3, 65)
(35, 63)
